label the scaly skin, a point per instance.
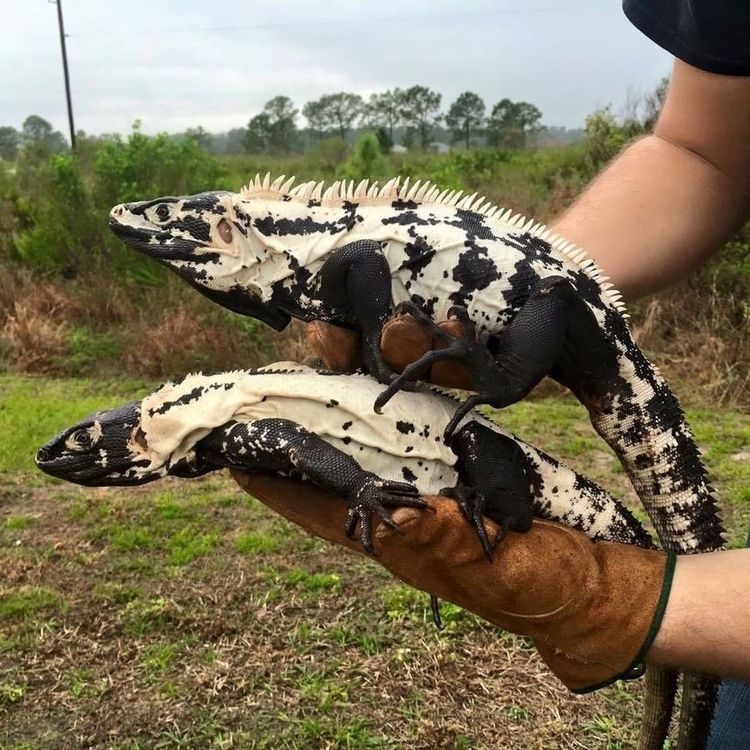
(348, 256)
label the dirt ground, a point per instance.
(189, 617)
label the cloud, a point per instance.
(179, 64)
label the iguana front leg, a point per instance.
(554, 333)
(280, 446)
(356, 280)
(492, 482)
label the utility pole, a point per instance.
(65, 72)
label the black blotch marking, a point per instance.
(269, 226)
(210, 202)
(535, 249)
(402, 205)
(346, 425)
(419, 253)
(189, 397)
(404, 427)
(409, 218)
(473, 224)
(427, 306)
(408, 474)
(473, 271)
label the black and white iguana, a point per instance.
(348, 255)
(291, 420)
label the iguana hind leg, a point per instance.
(280, 446)
(553, 333)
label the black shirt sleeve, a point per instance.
(713, 35)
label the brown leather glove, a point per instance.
(403, 341)
(591, 609)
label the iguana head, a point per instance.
(208, 240)
(107, 448)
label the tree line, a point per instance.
(416, 111)
(413, 115)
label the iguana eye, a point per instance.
(80, 440)
(162, 212)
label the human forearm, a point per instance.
(706, 625)
(673, 198)
(654, 215)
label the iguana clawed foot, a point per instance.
(501, 505)
(466, 348)
(374, 495)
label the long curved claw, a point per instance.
(396, 385)
(478, 524)
(463, 495)
(461, 412)
(351, 523)
(375, 496)
(365, 525)
(399, 488)
(504, 529)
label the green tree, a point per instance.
(333, 113)
(314, 113)
(258, 135)
(37, 133)
(420, 110)
(201, 137)
(465, 116)
(282, 117)
(274, 129)
(367, 160)
(384, 111)
(653, 103)
(385, 140)
(511, 122)
(10, 139)
(605, 137)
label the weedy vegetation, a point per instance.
(183, 614)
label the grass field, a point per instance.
(185, 615)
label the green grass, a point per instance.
(33, 410)
(257, 543)
(18, 523)
(205, 621)
(28, 601)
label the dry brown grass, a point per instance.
(67, 327)
(700, 338)
(32, 340)
(70, 327)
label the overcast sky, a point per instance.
(182, 63)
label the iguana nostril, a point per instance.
(42, 456)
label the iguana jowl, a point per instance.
(291, 420)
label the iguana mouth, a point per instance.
(158, 243)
